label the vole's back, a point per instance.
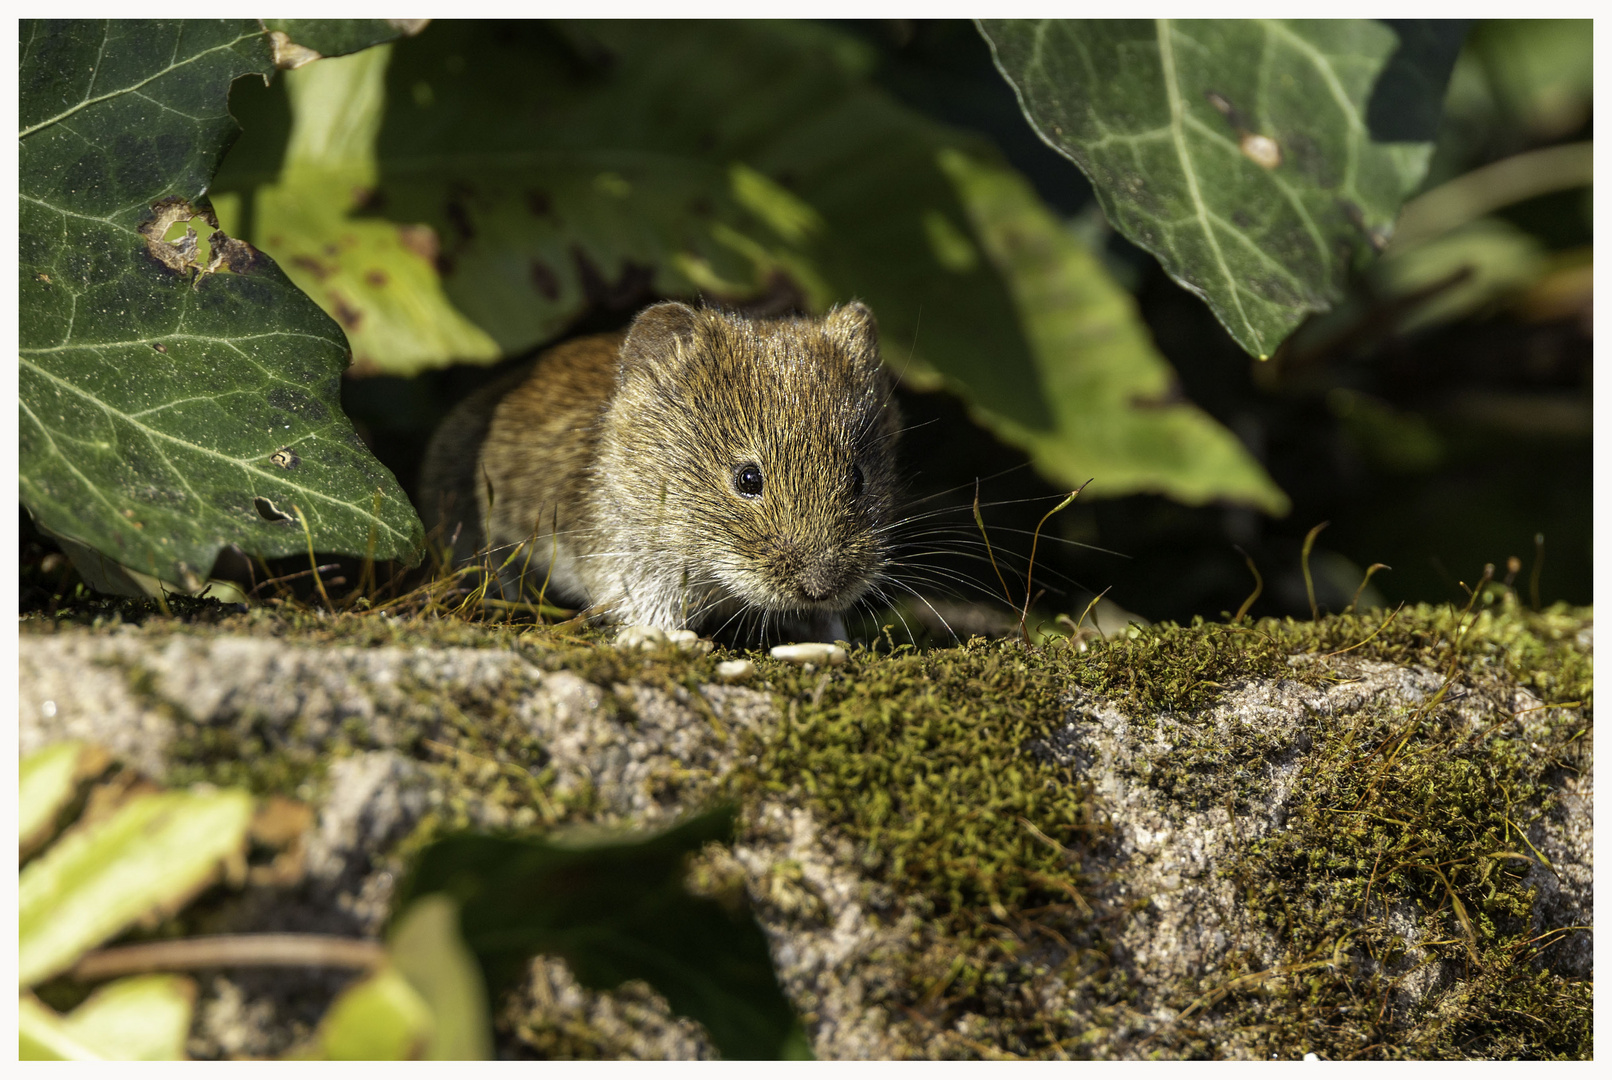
(507, 463)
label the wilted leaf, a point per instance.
(427, 950)
(375, 277)
(617, 911)
(1118, 416)
(1255, 158)
(48, 780)
(177, 393)
(141, 1018)
(380, 1018)
(149, 857)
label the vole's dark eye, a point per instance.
(747, 480)
(856, 481)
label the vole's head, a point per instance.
(759, 455)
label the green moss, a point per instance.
(922, 758)
(925, 761)
(919, 756)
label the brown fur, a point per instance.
(617, 454)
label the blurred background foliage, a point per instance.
(1438, 417)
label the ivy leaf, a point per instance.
(333, 37)
(177, 392)
(1256, 159)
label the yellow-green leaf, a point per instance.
(48, 780)
(141, 1018)
(41, 1036)
(149, 857)
(1113, 415)
(381, 1018)
(428, 950)
(373, 276)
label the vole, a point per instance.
(700, 468)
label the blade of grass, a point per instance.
(1035, 539)
(1370, 570)
(1304, 564)
(980, 521)
(1259, 585)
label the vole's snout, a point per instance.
(821, 578)
(815, 577)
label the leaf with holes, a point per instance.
(1255, 158)
(178, 393)
(333, 37)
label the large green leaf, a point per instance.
(375, 277)
(603, 163)
(149, 857)
(176, 396)
(1255, 158)
(617, 910)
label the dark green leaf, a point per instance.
(1255, 158)
(337, 37)
(167, 411)
(617, 911)
(601, 164)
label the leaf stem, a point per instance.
(232, 950)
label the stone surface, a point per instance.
(379, 724)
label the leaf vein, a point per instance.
(88, 101)
(244, 464)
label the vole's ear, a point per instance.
(658, 336)
(853, 327)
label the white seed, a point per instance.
(688, 641)
(729, 670)
(650, 637)
(1261, 150)
(818, 652)
(640, 637)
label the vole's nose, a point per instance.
(820, 578)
